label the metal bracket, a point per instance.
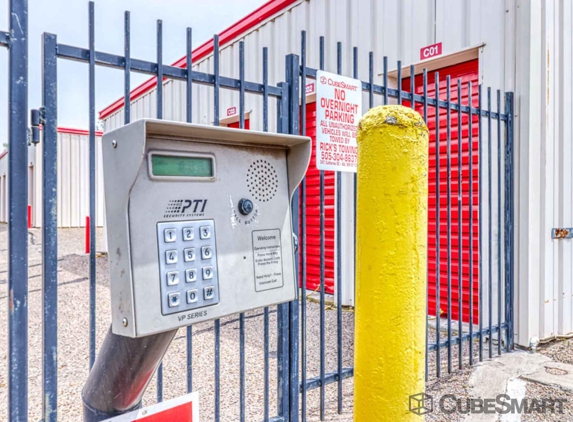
(562, 233)
(5, 38)
(42, 111)
(36, 118)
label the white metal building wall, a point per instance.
(544, 274)
(393, 28)
(73, 181)
(526, 49)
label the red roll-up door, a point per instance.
(313, 216)
(235, 125)
(467, 72)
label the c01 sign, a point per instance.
(430, 51)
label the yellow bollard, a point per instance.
(392, 218)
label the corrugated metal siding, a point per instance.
(393, 28)
(396, 28)
(545, 179)
(73, 181)
(525, 42)
(564, 175)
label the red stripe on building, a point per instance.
(250, 21)
(73, 131)
(468, 73)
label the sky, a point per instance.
(68, 19)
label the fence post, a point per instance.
(283, 337)
(292, 70)
(391, 264)
(509, 220)
(17, 212)
(50, 227)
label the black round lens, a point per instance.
(245, 206)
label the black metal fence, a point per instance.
(470, 229)
(52, 52)
(474, 207)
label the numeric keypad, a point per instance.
(187, 265)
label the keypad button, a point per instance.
(209, 292)
(190, 275)
(205, 232)
(188, 234)
(169, 235)
(191, 296)
(189, 254)
(207, 273)
(172, 278)
(173, 299)
(171, 257)
(206, 252)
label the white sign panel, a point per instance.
(268, 259)
(338, 110)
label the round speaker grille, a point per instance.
(262, 180)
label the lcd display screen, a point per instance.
(181, 166)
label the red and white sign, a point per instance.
(231, 111)
(310, 87)
(181, 409)
(338, 110)
(431, 51)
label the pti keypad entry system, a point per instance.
(198, 222)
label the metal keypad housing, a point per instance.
(163, 276)
(192, 281)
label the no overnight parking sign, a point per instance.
(338, 110)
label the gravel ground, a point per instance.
(540, 391)
(559, 350)
(455, 383)
(73, 348)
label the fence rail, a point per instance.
(470, 229)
